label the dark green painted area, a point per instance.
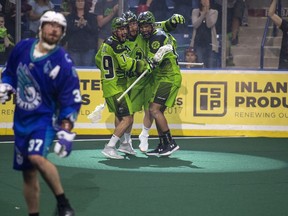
(206, 177)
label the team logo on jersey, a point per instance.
(155, 45)
(68, 58)
(31, 66)
(119, 47)
(104, 49)
(19, 156)
(28, 90)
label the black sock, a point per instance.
(167, 137)
(34, 214)
(62, 200)
(161, 138)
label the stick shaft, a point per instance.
(189, 63)
(132, 85)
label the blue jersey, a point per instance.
(46, 87)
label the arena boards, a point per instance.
(210, 103)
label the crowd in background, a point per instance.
(89, 23)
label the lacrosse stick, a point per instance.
(161, 52)
(132, 85)
(190, 63)
(96, 115)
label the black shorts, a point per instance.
(238, 9)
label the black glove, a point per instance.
(120, 74)
(130, 74)
(151, 64)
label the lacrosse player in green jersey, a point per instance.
(167, 80)
(141, 93)
(114, 63)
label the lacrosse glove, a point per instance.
(120, 74)
(63, 146)
(141, 66)
(177, 19)
(151, 64)
(5, 91)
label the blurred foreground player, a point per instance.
(48, 100)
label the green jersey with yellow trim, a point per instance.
(137, 50)
(168, 67)
(166, 26)
(136, 47)
(115, 65)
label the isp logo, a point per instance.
(210, 98)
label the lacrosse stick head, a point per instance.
(161, 52)
(96, 115)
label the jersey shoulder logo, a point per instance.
(155, 45)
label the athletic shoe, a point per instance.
(64, 211)
(127, 148)
(110, 152)
(169, 149)
(156, 151)
(143, 143)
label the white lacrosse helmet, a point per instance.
(52, 16)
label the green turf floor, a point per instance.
(206, 177)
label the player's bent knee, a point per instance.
(154, 112)
(37, 160)
(128, 120)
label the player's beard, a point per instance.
(122, 38)
(133, 32)
(47, 42)
(146, 35)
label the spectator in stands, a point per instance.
(204, 36)
(38, 8)
(235, 13)
(190, 57)
(245, 14)
(283, 26)
(82, 30)
(9, 10)
(143, 6)
(218, 6)
(157, 7)
(66, 7)
(238, 13)
(5, 42)
(105, 11)
(92, 7)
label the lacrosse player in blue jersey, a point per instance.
(48, 100)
